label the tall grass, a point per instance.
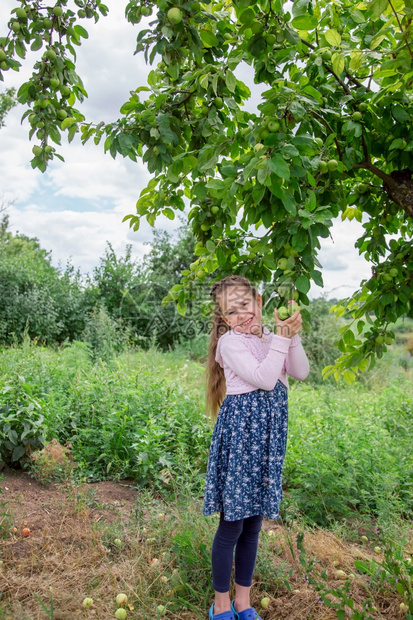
(141, 415)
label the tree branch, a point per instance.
(401, 29)
(350, 77)
(367, 165)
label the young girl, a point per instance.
(247, 383)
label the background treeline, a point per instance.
(120, 304)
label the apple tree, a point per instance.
(7, 102)
(331, 136)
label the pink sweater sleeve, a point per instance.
(263, 375)
(296, 363)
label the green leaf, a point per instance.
(230, 81)
(375, 42)
(246, 16)
(305, 22)
(210, 246)
(400, 114)
(302, 284)
(398, 143)
(333, 37)
(170, 213)
(208, 38)
(81, 31)
(356, 60)
(377, 7)
(18, 452)
(338, 63)
(279, 166)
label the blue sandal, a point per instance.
(247, 614)
(226, 615)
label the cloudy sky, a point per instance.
(75, 207)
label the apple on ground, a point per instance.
(87, 602)
(265, 602)
(121, 599)
(120, 614)
(26, 532)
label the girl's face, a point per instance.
(241, 310)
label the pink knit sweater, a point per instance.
(252, 363)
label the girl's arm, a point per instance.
(296, 363)
(263, 375)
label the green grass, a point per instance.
(141, 415)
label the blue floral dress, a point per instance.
(246, 455)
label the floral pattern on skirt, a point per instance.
(246, 456)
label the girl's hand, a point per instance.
(291, 326)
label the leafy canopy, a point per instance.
(331, 136)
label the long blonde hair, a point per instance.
(216, 387)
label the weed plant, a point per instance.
(141, 415)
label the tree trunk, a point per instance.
(401, 192)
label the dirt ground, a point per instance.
(66, 553)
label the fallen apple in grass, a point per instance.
(265, 602)
(377, 549)
(121, 599)
(161, 609)
(87, 602)
(121, 614)
(26, 532)
(13, 530)
(340, 574)
(117, 542)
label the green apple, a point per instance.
(81, 13)
(21, 13)
(120, 614)
(256, 27)
(174, 15)
(265, 602)
(48, 149)
(282, 313)
(271, 39)
(2, 55)
(364, 539)
(57, 11)
(161, 609)
(357, 116)
(15, 27)
(200, 273)
(55, 83)
(282, 263)
(379, 340)
(65, 90)
(362, 188)
(218, 102)
(388, 339)
(87, 602)
(61, 114)
(332, 164)
(323, 167)
(363, 106)
(273, 126)
(214, 209)
(326, 55)
(37, 150)
(319, 142)
(146, 10)
(393, 272)
(121, 599)
(51, 54)
(47, 23)
(377, 550)
(205, 227)
(292, 308)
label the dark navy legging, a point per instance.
(243, 535)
